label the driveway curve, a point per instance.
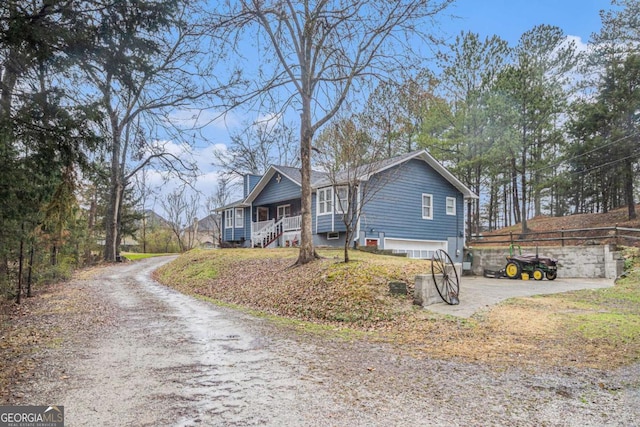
(166, 359)
(479, 293)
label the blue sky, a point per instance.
(508, 19)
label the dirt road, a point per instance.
(165, 359)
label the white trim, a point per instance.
(377, 239)
(337, 205)
(237, 217)
(412, 247)
(278, 217)
(265, 180)
(450, 199)
(422, 206)
(228, 218)
(327, 210)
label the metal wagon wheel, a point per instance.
(448, 285)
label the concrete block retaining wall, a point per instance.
(424, 291)
(573, 261)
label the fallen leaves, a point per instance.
(42, 323)
(355, 297)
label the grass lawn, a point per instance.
(598, 328)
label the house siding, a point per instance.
(249, 183)
(237, 234)
(276, 191)
(396, 209)
(328, 222)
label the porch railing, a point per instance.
(266, 232)
(292, 223)
(256, 227)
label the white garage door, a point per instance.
(423, 249)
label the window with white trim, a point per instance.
(283, 211)
(239, 217)
(451, 205)
(325, 200)
(427, 206)
(342, 199)
(228, 218)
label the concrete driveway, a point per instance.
(478, 293)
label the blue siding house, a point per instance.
(408, 204)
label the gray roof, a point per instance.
(295, 175)
(362, 173)
(237, 203)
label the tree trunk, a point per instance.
(30, 270)
(628, 178)
(111, 241)
(91, 224)
(20, 266)
(514, 192)
(307, 252)
(523, 183)
(347, 239)
(115, 197)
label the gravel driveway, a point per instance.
(165, 359)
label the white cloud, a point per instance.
(581, 46)
(192, 118)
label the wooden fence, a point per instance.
(571, 237)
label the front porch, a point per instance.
(272, 232)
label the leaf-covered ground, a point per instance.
(598, 329)
(56, 315)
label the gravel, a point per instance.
(145, 355)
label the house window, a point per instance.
(333, 236)
(228, 218)
(427, 206)
(284, 211)
(239, 217)
(262, 213)
(342, 199)
(325, 200)
(451, 205)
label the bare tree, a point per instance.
(261, 144)
(218, 199)
(316, 53)
(350, 157)
(143, 66)
(181, 213)
(144, 191)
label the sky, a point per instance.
(509, 19)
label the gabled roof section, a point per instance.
(291, 173)
(237, 204)
(294, 174)
(363, 173)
